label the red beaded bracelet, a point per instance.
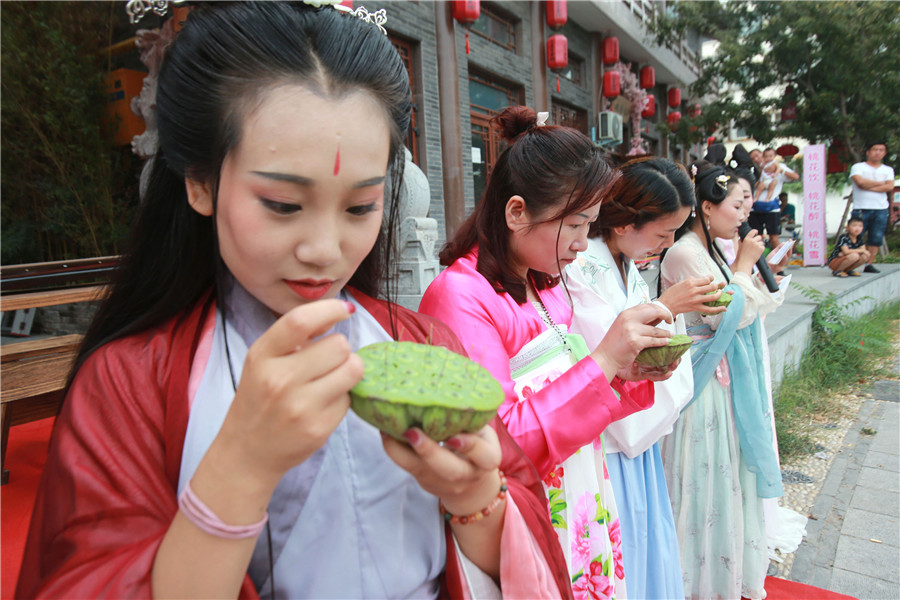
(478, 515)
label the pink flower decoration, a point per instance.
(615, 536)
(554, 478)
(593, 584)
(584, 528)
(615, 533)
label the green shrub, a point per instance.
(842, 352)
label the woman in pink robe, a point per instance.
(500, 291)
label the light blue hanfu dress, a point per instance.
(720, 459)
(649, 542)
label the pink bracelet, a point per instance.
(200, 515)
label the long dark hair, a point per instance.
(712, 183)
(224, 60)
(649, 188)
(558, 172)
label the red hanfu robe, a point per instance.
(108, 490)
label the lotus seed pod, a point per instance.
(665, 355)
(723, 300)
(418, 385)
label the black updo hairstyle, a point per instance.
(558, 171)
(709, 186)
(218, 69)
(742, 165)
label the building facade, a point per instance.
(464, 73)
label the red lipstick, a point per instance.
(310, 289)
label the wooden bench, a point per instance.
(34, 371)
(33, 374)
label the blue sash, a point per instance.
(743, 348)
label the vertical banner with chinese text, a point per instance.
(815, 245)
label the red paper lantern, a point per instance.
(648, 77)
(466, 11)
(789, 112)
(557, 52)
(610, 51)
(649, 107)
(612, 84)
(675, 98)
(557, 13)
(836, 155)
(674, 117)
(696, 111)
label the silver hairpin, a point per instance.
(136, 9)
(377, 18)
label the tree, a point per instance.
(841, 60)
(66, 191)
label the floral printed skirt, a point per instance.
(718, 515)
(583, 512)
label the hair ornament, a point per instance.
(722, 181)
(694, 174)
(733, 164)
(542, 118)
(377, 18)
(137, 9)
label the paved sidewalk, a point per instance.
(852, 544)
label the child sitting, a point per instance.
(849, 251)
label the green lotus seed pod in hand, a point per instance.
(723, 300)
(418, 385)
(663, 356)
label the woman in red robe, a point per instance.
(205, 447)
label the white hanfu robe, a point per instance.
(649, 541)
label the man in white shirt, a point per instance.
(873, 183)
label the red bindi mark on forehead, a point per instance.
(337, 162)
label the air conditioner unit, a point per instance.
(610, 127)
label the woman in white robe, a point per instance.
(639, 218)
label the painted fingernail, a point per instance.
(412, 436)
(351, 308)
(454, 443)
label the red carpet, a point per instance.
(25, 456)
(782, 589)
(26, 453)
